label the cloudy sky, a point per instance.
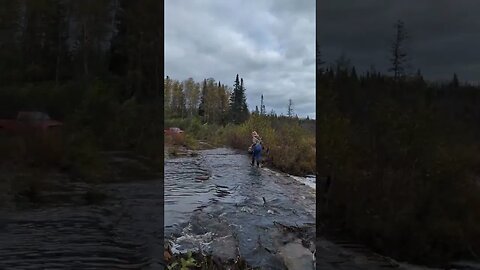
(444, 34)
(270, 43)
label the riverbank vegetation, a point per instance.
(202, 262)
(93, 65)
(212, 112)
(401, 155)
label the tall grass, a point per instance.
(291, 147)
(404, 181)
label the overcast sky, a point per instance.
(444, 34)
(270, 43)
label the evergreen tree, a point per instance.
(353, 74)
(455, 83)
(201, 107)
(273, 114)
(290, 108)
(243, 103)
(262, 107)
(319, 59)
(399, 56)
(238, 105)
(233, 100)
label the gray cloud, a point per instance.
(444, 35)
(270, 43)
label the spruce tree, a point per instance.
(238, 104)
(353, 74)
(399, 56)
(262, 107)
(319, 59)
(233, 101)
(201, 107)
(455, 83)
(290, 108)
(243, 103)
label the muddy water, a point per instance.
(217, 203)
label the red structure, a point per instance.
(28, 122)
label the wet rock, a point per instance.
(202, 177)
(296, 257)
(225, 248)
(246, 209)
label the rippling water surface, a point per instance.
(214, 202)
(218, 203)
(123, 232)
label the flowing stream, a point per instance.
(217, 203)
(63, 231)
(214, 202)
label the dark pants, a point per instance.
(255, 159)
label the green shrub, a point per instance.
(403, 177)
(83, 157)
(292, 147)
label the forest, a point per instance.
(400, 159)
(218, 114)
(95, 66)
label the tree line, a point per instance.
(67, 40)
(212, 101)
(400, 156)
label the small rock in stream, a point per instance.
(202, 177)
(225, 248)
(297, 257)
(246, 209)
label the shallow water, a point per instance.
(236, 210)
(123, 232)
(213, 202)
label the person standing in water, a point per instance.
(256, 148)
